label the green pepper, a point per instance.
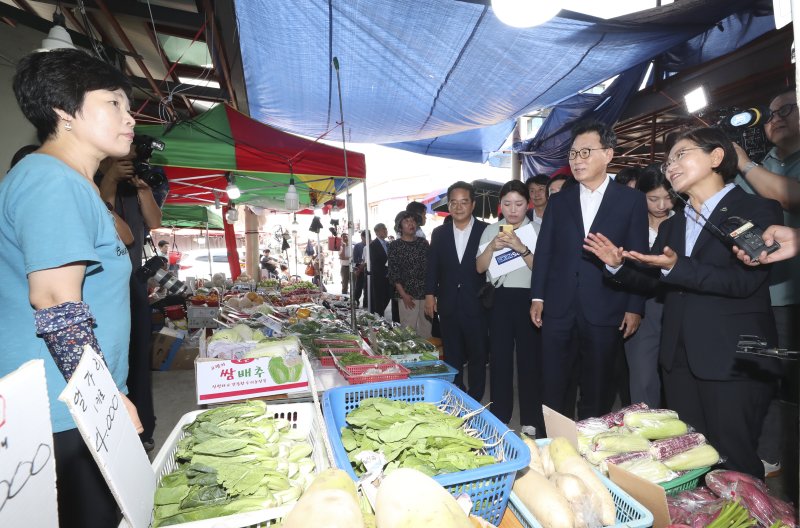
(278, 370)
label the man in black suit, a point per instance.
(378, 252)
(584, 316)
(451, 288)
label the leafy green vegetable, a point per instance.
(416, 435)
(233, 459)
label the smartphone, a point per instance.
(507, 228)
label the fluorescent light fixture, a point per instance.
(318, 210)
(197, 81)
(525, 13)
(292, 200)
(335, 213)
(696, 100)
(201, 103)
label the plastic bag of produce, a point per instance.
(753, 495)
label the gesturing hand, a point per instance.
(665, 261)
(604, 249)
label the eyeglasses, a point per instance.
(677, 157)
(584, 152)
(459, 203)
(783, 111)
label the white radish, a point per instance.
(536, 458)
(544, 500)
(584, 504)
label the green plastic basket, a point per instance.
(687, 481)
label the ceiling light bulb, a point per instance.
(232, 215)
(292, 199)
(335, 213)
(233, 191)
(525, 13)
(57, 38)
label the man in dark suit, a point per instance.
(451, 288)
(379, 283)
(584, 316)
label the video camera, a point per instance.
(154, 268)
(145, 145)
(744, 126)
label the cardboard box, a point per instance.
(202, 316)
(224, 380)
(170, 351)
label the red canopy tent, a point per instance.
(203, 155)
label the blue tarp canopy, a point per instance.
(446, 77)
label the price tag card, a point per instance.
(274, 326)
(27, 462)
(96, 406)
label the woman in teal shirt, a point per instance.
(64, 269)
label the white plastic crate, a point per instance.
(302, 417)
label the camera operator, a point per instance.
(778, 177)
(133, 200)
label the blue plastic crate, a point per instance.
(450, 375)
(629, 512)
(489, 487)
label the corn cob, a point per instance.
(669, 447)
(659, 429)
(619, 458)
(649, 469)
(616, 417)
(696, 457)
(619, 442)
(639, 418)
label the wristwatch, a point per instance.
(526, 252)
(748, 167)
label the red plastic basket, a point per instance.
(400, 373)
(355, 370)
(327, 356)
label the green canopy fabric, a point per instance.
(191, 216)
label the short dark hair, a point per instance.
(557, 177)
(462, 185)
(416, 207)
(628, 174)
(538, 179)
(515, 186)
(60, 79)
(402, 215)
(607, 137)
(651, 178)
(709, 139)
(162, 243)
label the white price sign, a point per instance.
(27, 461)
(95, 404)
